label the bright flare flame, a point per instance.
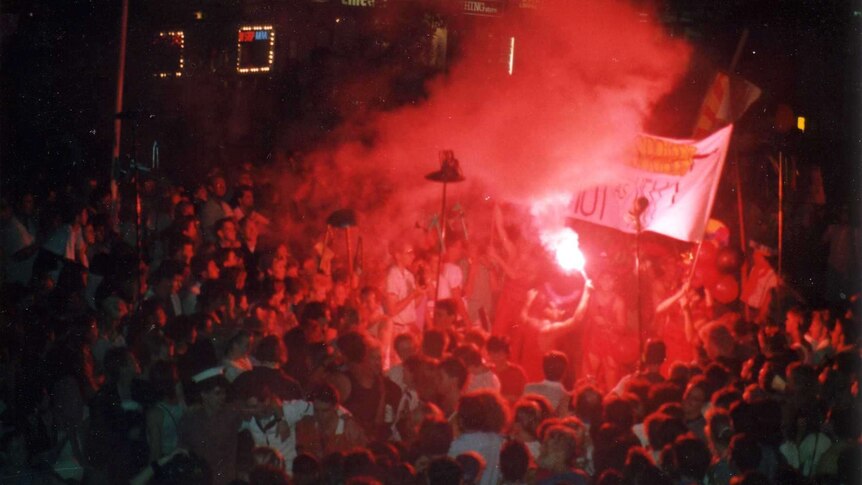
(563, 243)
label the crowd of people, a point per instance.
(181, 338)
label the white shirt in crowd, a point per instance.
(554, 391)
(400, 283)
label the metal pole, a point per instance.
(349, 258)
(121, 73)
(442, 248)
(780, 215)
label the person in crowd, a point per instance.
(236, 355)
(210, 429)
(481, 376)
(556, 458)
(164, 416)
(750, 398)
(452, 376)
(330, 428)
(554, 365)
(214, 208)
(512, 376)
(482, 417)
(401, 292)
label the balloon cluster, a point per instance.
(717, 269)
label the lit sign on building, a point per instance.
(255, 49)
(168, 54)
(487, 7)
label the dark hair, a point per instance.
(323, 393)
(618, 411)
(744, 452)
(185, 469)
(528, 414)
(115, 359)
(312, 312)
(469, 354)
(236, 339)
(268, 475)
(691, 457)
(588, 404)
(655, 352)
(514, 461)
(434, 343)
(270, 349)
(353, 346)
(443, 471)
(446, 305)
(163, 379)
(435, 437)
(498, 344)
(554, 365)
(453, 367)
(482, 411)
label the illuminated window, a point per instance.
(255, 49)
(168, 54)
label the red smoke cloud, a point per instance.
(586, 74)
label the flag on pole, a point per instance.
(679, 178)
(726, 101)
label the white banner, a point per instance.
(678, 178)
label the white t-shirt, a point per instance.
(450, 277)
(400, 283)
(484, 381)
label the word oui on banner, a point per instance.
(678, 178)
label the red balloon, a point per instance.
(728, 261)
(725, 289)
(708, 252)
(705, 274)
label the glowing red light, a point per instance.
(563, 243)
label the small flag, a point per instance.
(726, 101)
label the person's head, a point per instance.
(588, 404)
(445, 314)
(238, 346)
(527, 417)
(498, 349)
(514, 461)
(354, 347)
(719, 430)
(482, 411)
(434, 343)
(471, 357)
(225, 229)
(472, 466)
(402, 253)
(405, 345)
(314, 321)
(554, 365)
(655, 353)
(211, 385)
(559, 448)
(745, 453)
(694, 399)
(244, 197)
(618, 411)
(691, 457)
(306, 469)
(271, 350)
(325, 400)
(444, 471)
(434, 438)
(217, 186)
(120, 365)
(452, 376)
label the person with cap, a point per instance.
(210, 430)
(759, 285)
